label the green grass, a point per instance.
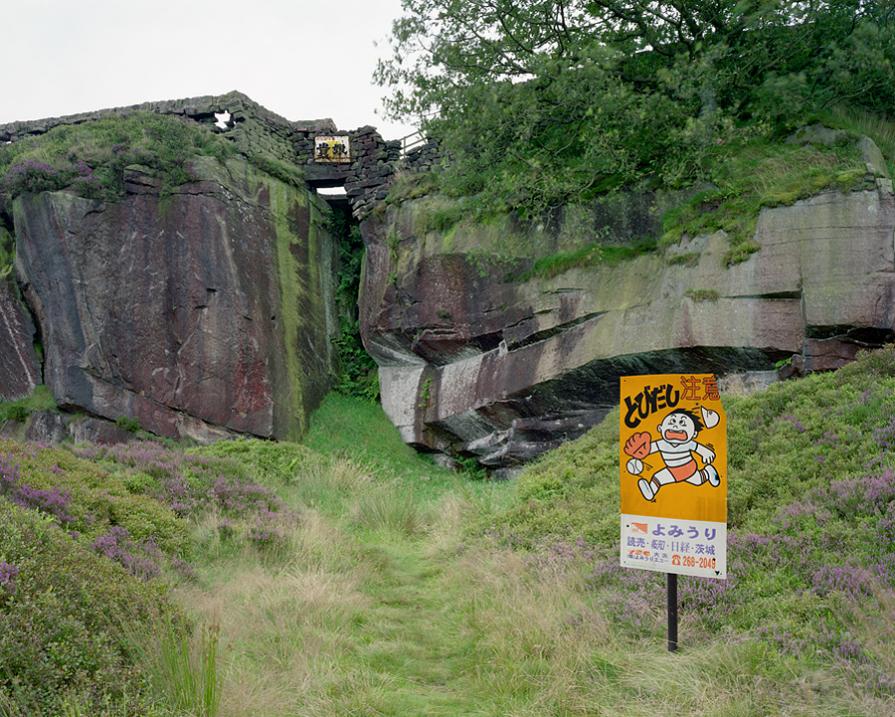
(587, 256)
(702, 294)
(181, 666)
(399, 588)
(880, 129)
(744, 177)
(91, 157)
(7, 254)
(690, 258)
(41, 399)
(751, 176)
(424, 593)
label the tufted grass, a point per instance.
(753, 175)
(41, 399)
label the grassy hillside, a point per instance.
(351, 576)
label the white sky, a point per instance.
(299, 58)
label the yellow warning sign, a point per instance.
(673, 464)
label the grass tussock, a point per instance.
(41, 399)
(182, 666)
(587, 256)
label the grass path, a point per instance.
(390, 636)
(361, 613)
(414, 638)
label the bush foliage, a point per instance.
(60, 642)
(540, 103)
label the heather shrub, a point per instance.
(85, 497)
(218, 488)
(32, 176)
(811, 514)
(61, 607)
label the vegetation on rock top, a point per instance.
(541, 103)
(91, 158)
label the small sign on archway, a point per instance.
(332, 149)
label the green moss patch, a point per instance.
(702, 294)
(587, 256)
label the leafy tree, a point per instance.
(541, 102)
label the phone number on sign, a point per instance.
(689, 561)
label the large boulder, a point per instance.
(199, 311)
(484, 353)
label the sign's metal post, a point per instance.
(672, 612)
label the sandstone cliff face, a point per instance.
(479, 355)
(200, 313)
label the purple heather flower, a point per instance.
(140, 559)
(52, 501)
(845, 578)
(796, 423)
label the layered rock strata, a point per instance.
(483, 355)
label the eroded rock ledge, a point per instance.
(478, 358)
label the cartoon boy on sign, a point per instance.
(675, 446)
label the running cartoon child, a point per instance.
(676, 446)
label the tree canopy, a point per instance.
(539, 102)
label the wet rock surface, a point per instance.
(19, 368)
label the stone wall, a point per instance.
(372, 171)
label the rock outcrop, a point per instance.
(207, 309)
(201, 313)
(482, 354)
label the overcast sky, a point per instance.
(300, 59)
